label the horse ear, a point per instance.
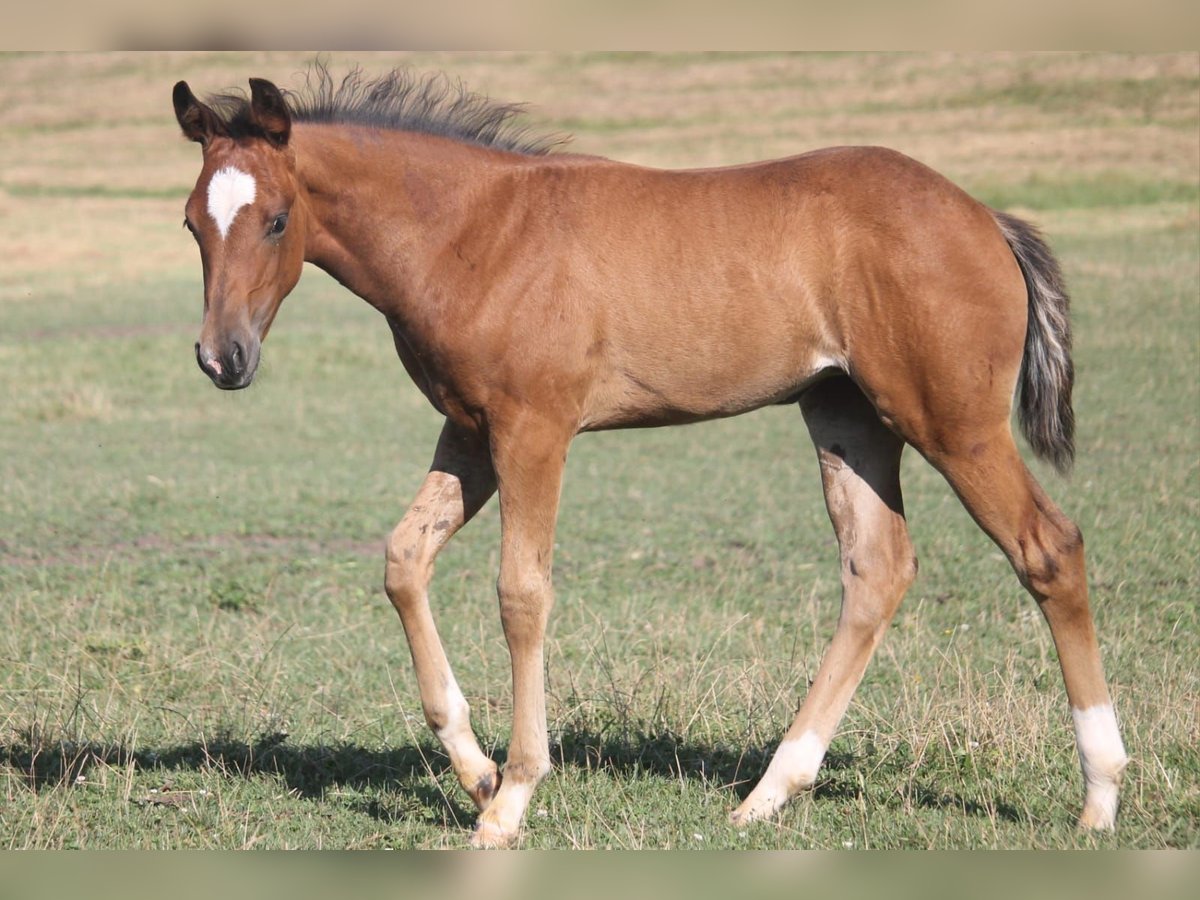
(199, 123)
(270, 111)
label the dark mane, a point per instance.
(398, 101)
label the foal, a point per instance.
(533, 296)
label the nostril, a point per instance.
(210, 367)
(237, 358)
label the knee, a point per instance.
(525, 599)
(887, 567)
(873, 587)
(408, 567)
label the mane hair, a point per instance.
(400, 100)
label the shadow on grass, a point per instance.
(666, 755)
(930, 798)
(307, 770)
(415, 772)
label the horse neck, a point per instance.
(384, 205)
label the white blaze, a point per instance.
(228, 191)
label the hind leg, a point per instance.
(860, 472)
(1046, 550)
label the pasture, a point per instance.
(195, 647)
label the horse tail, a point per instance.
(1047, 373)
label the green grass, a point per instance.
(195, 649)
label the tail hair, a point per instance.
(1047, 373)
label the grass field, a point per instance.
(195, 649)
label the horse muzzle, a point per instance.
(231, 366)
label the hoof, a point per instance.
(490, 836)
(752, 811)
(1098, 818)
(1100, 807)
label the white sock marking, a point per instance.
(1103, 757)
(793, 768)
(1099, 741)
(798, 760)
(228, 191)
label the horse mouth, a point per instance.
(234, 386)
(231, 381)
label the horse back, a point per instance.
(693, 294)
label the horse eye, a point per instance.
(278, 225)
(188, 225)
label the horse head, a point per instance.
(247, 215)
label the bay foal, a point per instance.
(533, 296)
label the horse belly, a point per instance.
(688, 372)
